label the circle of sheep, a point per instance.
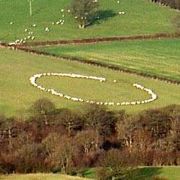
(34, 78)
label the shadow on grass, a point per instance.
(145, 173)
(103, 15)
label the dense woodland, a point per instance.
(61, 140)
(171, 3)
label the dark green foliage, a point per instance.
(84, 11)
(43, 107)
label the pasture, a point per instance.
(153, 57)
(141, 17)
(158, 57)
(17, 93)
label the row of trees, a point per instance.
(54, 140)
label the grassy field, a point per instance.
(169, 173)
(17, 94)
(154, 57)
(141, 17)
(39, 177)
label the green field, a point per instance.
(141, 17)
(153, 57)
(17, 94)
(169, 173)
(39, 177)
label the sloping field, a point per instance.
(17, 94)
(152, 57)
(141, 17)
(166, 172)
(149, 173)
(40, 177)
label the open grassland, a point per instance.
(17, 94)
(153, 57)
(141, 17)
(39, 177)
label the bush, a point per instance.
(103, 174)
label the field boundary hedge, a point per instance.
(100, 64)
(103, 39)
(28, 48)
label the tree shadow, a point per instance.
(102, 15)
(145, 173)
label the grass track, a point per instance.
(142, 17)
(17, 94)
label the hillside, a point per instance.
(152, 57)
(17, 93)
(141, 17)
(98, 102)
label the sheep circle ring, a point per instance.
(34, 78)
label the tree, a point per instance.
(70, 120)
(84, 11)
(101, 120)
(61, 152)
(29, 158)
(43, 107)
(114, 165)
(87, 140)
